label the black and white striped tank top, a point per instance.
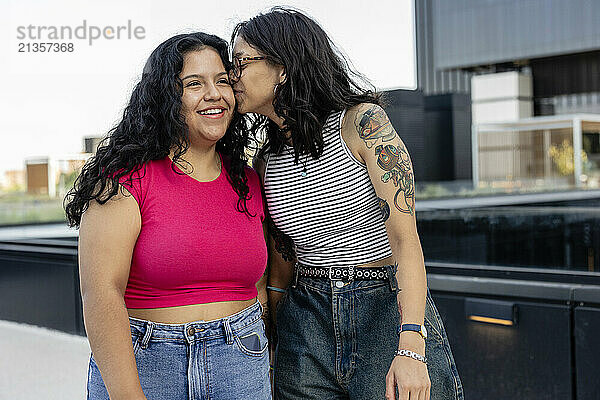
(331, 211)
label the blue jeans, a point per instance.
(338, 343)
(221, 359)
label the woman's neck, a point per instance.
(280, 124)
(204, 160)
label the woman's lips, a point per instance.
(212, 115)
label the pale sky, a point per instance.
(50, 101)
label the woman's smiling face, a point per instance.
(208, 102)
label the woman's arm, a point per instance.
(107, 237)
(261, 287)
(282, 256)
(373, 140)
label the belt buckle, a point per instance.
(331, 278)
(339, 282)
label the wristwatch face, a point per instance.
(423, 331)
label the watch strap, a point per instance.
(411, 327)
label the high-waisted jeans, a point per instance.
(338, 343)
(224, 359)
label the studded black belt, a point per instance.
(347, 274)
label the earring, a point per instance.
(275, 88)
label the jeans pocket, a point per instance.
(440, 352)
(252, 340)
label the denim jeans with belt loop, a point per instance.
(339, 342)
(218, 360)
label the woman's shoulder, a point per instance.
(358, 111)
(140, 174)
(360, 122)
(138, 178)
(361, 118)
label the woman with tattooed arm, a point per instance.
(347, 280)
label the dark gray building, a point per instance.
(436, 130)
(556, 41)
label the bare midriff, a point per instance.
(385, 261)
(190, 313)
(209, 311)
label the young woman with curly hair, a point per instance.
(171, 245)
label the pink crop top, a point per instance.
(194, 245)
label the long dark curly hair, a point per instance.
(153, 125)
(318, 80)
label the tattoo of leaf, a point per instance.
(397, 166)
(284, 245)
(372, 125)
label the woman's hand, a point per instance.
(411, 378)
(409, 375)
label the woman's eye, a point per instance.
(224, 81)
(193, 83)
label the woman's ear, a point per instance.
(282, 76)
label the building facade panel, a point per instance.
(470, 33)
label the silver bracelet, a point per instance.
(411, 354)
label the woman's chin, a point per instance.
(241, 107)
(206, 138)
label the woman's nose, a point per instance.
(212, 93)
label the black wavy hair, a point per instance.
(152, 125)
(318, 80)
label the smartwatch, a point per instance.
(415, 328)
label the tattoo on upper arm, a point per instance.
(373, 125)
(385, 209)
(396, 164)
(284, 245)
